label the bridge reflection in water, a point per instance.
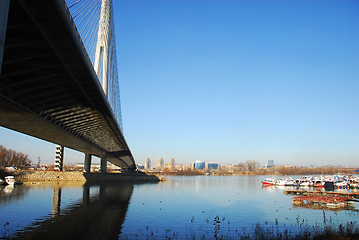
(98, 216)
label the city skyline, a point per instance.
(233, 81)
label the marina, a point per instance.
(332, 193)
(327, 182)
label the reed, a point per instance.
(220, 228)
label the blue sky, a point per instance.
(230, 81)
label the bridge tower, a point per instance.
(104, 37)
(103, 54)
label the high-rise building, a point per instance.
(270, 163)
(211, 165)
(160, 163)
(199, 165)
(172, 163)
(147, 163)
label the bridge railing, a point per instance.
(85, 15)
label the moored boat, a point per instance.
(280, 182)
(10, 180)
(305, 183)
(319, 184)
(268, 181)
(341, 184)
(285, 182)
(353, 184)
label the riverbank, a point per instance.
(54, 176)
(242, 170)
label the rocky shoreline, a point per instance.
(52, 176)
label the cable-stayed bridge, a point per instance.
(58, 76)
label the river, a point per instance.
(198, 207)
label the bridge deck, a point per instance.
(48, 88)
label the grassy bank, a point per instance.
(221, 228)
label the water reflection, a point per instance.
(56, 202)
(182, 205)
(95, 216)
(10, 193)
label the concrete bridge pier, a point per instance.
(103, 164)
(87, 164)
(59, 158)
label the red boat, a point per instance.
(268, 181)
(319, 184)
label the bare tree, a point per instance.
(11, 158)
(251, 165)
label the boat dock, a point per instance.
(324, 202)
(323, 193)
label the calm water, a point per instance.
(181, 207)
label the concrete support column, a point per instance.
(59, 158)
(87, 164)
(103, 164)
(4, 12)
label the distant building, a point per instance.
(211, 165)
(270, 163)
(185, 166)
(96, 167)
(172, 163)
(160, 163)
(199, 165)
(147, 163)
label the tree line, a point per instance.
(11, 158)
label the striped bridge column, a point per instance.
(59, 157)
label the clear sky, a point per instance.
(230, 81)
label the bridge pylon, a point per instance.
(103, 42)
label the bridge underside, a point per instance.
(48, 88)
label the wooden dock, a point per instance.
(323, 193)
(333, 203)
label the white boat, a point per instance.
(281, 182)
(285, 182)
(290, 182)
(268, 181)
(341, 184)
(10, 180)
(304, 184)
